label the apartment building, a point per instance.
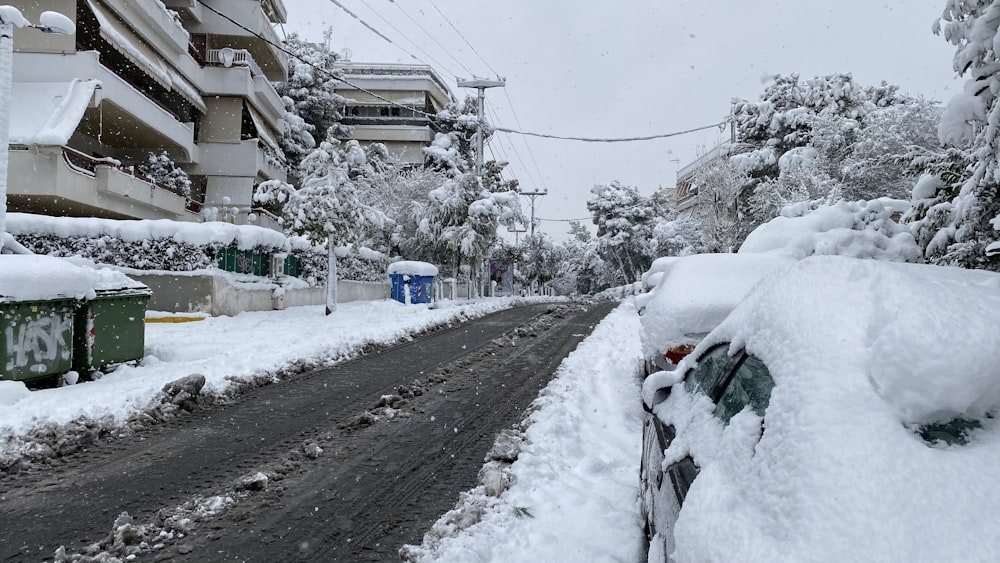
(373, 119)
(141, 77)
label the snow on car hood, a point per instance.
(860, 351)
(699, 291)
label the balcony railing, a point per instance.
(233, 57)
(86, 164)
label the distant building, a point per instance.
(685, 194)
(142, 77)
(373, 119)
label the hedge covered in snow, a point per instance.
(180, 246)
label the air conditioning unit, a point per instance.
(277, 265)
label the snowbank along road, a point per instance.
(346, 463)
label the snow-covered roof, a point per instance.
(47, 113)
(861, 352)
(412, 267)
(29, 277)
(699, 291)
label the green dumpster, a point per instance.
(110, 329)
(36, 338)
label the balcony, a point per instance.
(63, 181)
(259, 90)
(221, 32)
(124, 118)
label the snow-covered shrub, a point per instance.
(160, 169)
(149, 254)
(352, 264)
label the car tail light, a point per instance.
(677, 353)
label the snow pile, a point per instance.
(698, 292)
(213, 233)
(412, 267)
(27, 277)
(106, 278)
(177, 246)
(860, 352)
(570, 494)
(862, 229)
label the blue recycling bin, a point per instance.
(415, 278)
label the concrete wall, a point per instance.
(216, 295)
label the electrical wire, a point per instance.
(419, 111)
(495, 73)
(403, 35)
(513, 147)
(428, 34)
(348, 12)
(526, 145)
(612, 139)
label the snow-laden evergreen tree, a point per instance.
(624, 220)
(826, 138)
(162, 170)
(957, 210)
(458, 223)
(453, 149)
(327, 208)
(581, 269)
(311, 105)
(541, 259)
(674, 235)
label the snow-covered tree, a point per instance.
(311, 104)
(458, 223)
(718, 211)
(624, 221)
(327, 208)
(677, 236)
(958, 215)
(162, 170)
(541, 259)
(453, 148)
(826, 138)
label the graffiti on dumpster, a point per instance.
(38, 342)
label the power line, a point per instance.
(428, 34)
(513, 147)
(349, 12)
(419, 111)
(315, 66)
(611, 139)
(565, 220)
(495, 73)
(401, 34)
(526, 145)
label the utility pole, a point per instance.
(533, 195)
(516, 233)
(481, 85)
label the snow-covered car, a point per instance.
(844, 411)
(651, 278)
(694, 296)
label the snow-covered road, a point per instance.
(574, 484)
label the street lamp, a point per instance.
(10, 17)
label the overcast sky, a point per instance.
(632, 68)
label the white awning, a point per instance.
(186, 89)
(262, 132)
(118, 34)
(47, 113)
